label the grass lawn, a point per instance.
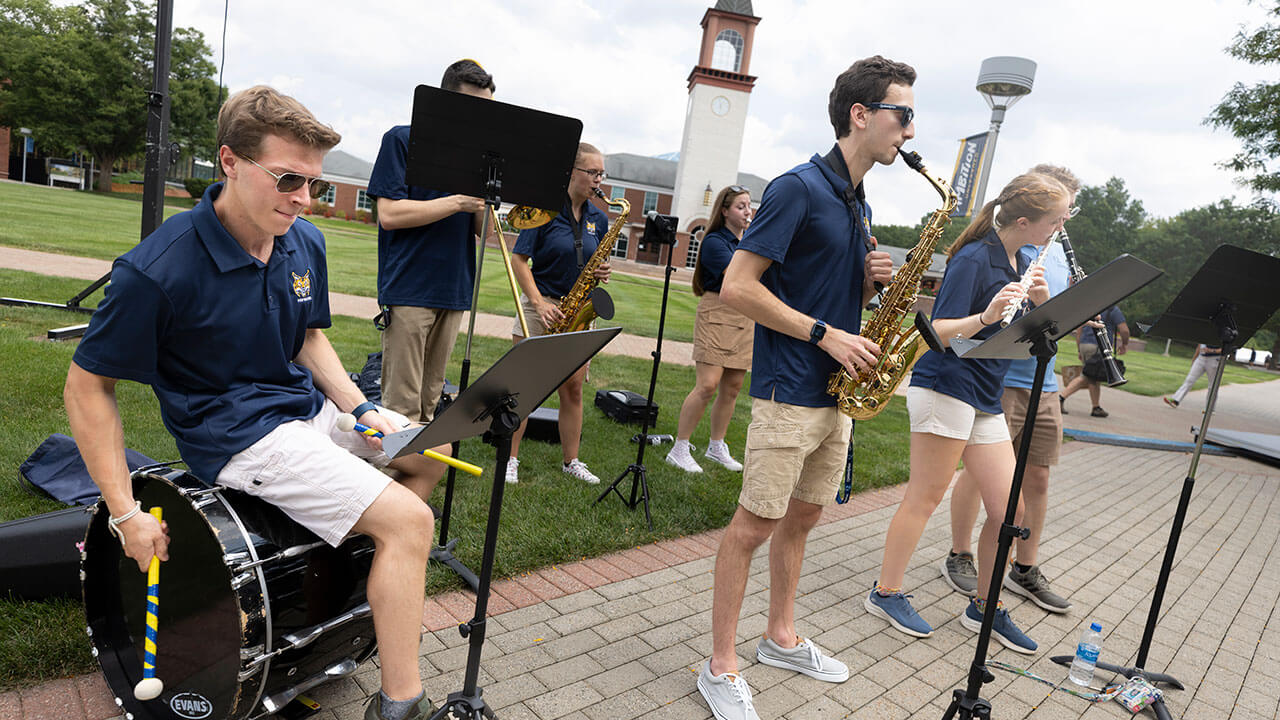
(39, 641)
(89, 225)
(1152, 373)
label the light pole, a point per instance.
(1002, 81)
(26, 143)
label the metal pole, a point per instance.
(24, 158)
(158, 123)
(997, 118)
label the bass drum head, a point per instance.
(199, 619)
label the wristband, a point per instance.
(113, 523)
(363, 408)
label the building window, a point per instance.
(363, 201)
(726, 54)
(329, 196)
(620, 247)
(695, 244)
(650, 202)
(617, 193)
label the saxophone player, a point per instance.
(954, 404)
(559, 249)
(802, 272)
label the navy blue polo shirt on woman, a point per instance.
(432, 265)
(714, 255)
(213, 331)
(973, 277)
(817, 243)
(555, 260)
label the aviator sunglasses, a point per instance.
(290, 181)
(907, 113)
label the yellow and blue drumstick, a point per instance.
(347, 423)
(150, 686)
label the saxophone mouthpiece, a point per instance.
(598, 192)
(912, 158)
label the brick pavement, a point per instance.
(629, 643)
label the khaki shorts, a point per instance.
(722, 336)
(1046, 438)
(932, 412)
(792, 452)
(415, 350)
(531, 318)
(318, 475)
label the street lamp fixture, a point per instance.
(1002, 81)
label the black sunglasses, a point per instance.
(907, 113)
(290, 181)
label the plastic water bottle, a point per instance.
(1086, 659)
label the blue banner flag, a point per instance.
(968, 167)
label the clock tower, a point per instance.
(719, 87)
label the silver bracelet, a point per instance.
(113, 523)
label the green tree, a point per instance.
(1249, 111)
(79, 77)
(1107, 225)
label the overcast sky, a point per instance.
(1121, 90)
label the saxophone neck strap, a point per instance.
(576, 225)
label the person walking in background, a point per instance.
(1091, 356)
(1204, 362)
(722, 337)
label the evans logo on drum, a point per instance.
(191, 705)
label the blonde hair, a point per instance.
(724, 199)
(1059, 173)
(250, 115)
(1030, 195)
(586, 149)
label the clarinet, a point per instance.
(1115, 376)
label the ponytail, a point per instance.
(1029, 195)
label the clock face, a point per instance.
(720, 105)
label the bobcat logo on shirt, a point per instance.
(302, 285)
(591, 227)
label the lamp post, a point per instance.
(26, 143)
(1002, 81)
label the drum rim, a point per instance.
(265, 667)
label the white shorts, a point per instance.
(932, 412)
(322, 478)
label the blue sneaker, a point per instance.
(896, 608)
(1003, 629)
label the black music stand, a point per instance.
(1035, 334)
(1225, 303)
(494, 406)
(660, 229)
(463, 144)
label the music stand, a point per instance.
(494, 406)
(1225, 303)
(660, 229)
(1036, 334)
(463, 144)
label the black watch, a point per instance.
(817, 332)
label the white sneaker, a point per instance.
(682, 458)
(718, 451)
(578, 469)
(513, 465)
(727, 695)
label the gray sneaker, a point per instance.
(960, 572)
(1032, 584)
(727, 695)
(805, 658)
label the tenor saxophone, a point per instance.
(577, 305)
(866, 395)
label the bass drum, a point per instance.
(253, 608)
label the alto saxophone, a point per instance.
(578, 306)
(868, 394)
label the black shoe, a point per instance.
(1062, 405)
(1099, 412)
(435, 511)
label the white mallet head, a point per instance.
(346, 422)
(148, 689)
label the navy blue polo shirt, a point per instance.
(555, 260)
(974, 275)
(427, 266)
(1112, 318)
(817, 243)
(714, 255)
(213, 331)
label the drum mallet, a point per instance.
(150, 686)
(347, 423)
